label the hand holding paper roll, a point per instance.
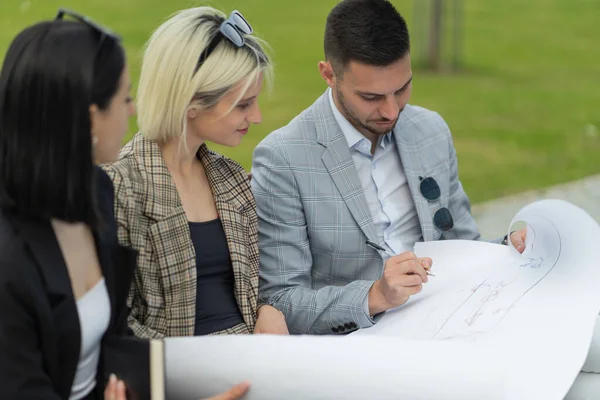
(236, 392)
(518, 239)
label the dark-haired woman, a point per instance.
(64, 279)
(64, 107)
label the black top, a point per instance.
(216, 307)
(40, 335)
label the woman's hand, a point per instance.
(236, 392)
(115, 390)
(270, 320)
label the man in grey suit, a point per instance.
(345, 190)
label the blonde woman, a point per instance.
(187, 210)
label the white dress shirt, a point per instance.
(386, 188)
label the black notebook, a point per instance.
(139, 363)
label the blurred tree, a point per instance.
(437, 24)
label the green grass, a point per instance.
(522, 110)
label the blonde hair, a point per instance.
(169, 83)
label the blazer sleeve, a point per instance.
(22, 374)
(286, 258)
(125, 217)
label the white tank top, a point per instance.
(94, 316)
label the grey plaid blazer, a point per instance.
(151, 220)
(314, 219)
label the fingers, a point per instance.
(234, 393)
(410, 280)
(120, 391)
(400, 282)
(425, 262)
(410, 265)
(238, 391)
(109, 391)
(414, 267)
(518, 239)
(414, 289)
(406, 256)
(115, 389)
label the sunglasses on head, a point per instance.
(101, 31)
(442, 218)
(234, 29)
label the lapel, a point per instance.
(413, 169)
(340, 165)
(39, 238)
(231, 196)
(117, 262)
(169, 236)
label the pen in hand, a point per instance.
(377, 247)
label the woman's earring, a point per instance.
(94, 140)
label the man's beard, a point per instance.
(357, 123)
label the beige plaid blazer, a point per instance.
(151, 220)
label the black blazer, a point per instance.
(40, 335)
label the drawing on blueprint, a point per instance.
(465, 305)
(533, 263)
(488, 302)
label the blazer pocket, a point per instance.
(441, 175)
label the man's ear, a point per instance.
(327, 73)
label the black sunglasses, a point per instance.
(442, 218)
(233, 28)
(101, 31)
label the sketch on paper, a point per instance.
(489, 301)
(533, 263)
(483, 300)
(471, 305)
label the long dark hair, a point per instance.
(52, 73)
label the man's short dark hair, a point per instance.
(52, 73)
(370, 32)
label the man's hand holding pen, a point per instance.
(403, 276)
